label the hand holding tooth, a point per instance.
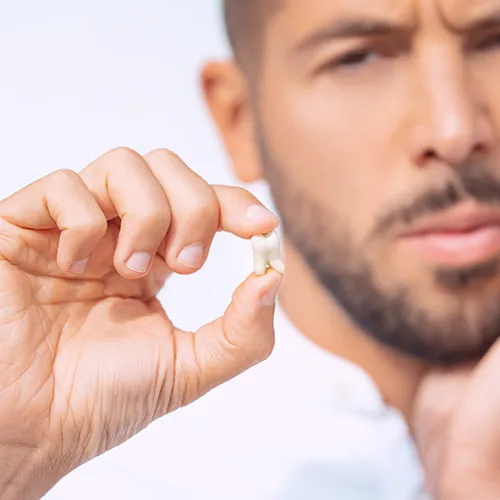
(89, 356)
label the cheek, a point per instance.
(486, 84)
(338, 148)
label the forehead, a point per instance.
(297, 18)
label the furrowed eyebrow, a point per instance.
(350, 28)
(485, 23)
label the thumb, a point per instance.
(240, 339)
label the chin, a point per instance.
(480, 276)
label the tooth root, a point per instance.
(260, 267)
(278, 265)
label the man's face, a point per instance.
(378, 125)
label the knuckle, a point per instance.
(205, 207)
(201, 213)
(123, 154)
(93, 226)
(65, 177)
(98, 226)
(116, 158)
(163, 154)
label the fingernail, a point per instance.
(80, 266)
(139, 262)
(192, 256)
(270, 298)
(258, 213)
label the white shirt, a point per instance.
(304, 425)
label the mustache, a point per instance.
(472, 184)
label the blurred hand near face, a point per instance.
(457, 415)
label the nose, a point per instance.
(451, 126)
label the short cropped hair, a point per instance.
(245, 22)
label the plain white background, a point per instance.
(80, 78)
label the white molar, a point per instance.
(267, 252)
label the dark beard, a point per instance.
(393, 317)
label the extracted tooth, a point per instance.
(259, 245)
(278, 265)
(274, 258)
(267, 252)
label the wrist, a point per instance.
(25, 473)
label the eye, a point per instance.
(366, 57)
(490, 42)
(354, 59)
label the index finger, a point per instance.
(242, 214)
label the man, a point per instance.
(376, 124)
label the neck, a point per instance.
(317, 315)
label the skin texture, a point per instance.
(362, 136)
(89, 357)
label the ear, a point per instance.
(226, 94)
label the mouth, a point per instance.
(467, 235)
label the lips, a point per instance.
(467, 235)
(460, 219)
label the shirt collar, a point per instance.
(333, 381)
